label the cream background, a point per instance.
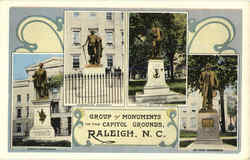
(4, 64)
(44, 36)
(81, 134)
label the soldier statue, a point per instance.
(157, 38)
(208, 85)
(94, 48)
(40, 83)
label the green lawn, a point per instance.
(187, 134)
(190, 134)
(178, 85)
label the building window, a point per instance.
(28, 111)
(18, 127)
(19, 113)
(76, 62)
(54, 107)
(193, 122)
(19, 99)
(28, 98)
(109, 61)
(69, 125)
(122, 34)
(109, 38)
(55, 91)
(92, 15)
(75, 14)
(184, 123)
(76, 36)
(68, 109)
(109, 15)
(122, 16)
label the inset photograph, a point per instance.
(39, 117)
(157, 58)
(209, 122)
(94, 57)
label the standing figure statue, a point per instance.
(157, 38)
(208, 85)
(94, 48)
(40, 83)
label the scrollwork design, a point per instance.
(172, 116)
(197, 26)
(56, 26)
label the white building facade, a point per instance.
(107, 25)
(23, 93)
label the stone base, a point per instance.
(93, 69)
(208, 131)
(208, 128)
(40, 133)
(210, 147)
(160, 96)
(42, 129)
(156, 91)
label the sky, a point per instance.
(22, 61)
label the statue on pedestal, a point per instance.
(208, 85)
(94, 48)
(157, 38)
(40, 83)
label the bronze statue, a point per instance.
(157, 38)
(40, 82)
(208, 85)
(94, 48)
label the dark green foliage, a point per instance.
(225, 68)
(55, 81)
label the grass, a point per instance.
(187, 134)
(190, 134)
(178, 85)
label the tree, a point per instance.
(225, 68)
(55, 81)
(173, 27)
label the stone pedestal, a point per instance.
(42, 129)
(93, 69)
(208, 135)
(208, 128)
(156, 91)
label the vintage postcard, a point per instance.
(122, 80)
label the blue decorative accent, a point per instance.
(31, 47)
(217, 47)
(78, 115)
(172, 123)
